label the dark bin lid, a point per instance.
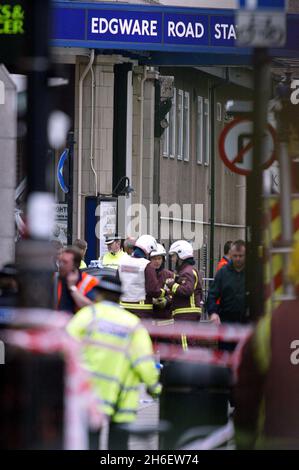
(186, 374)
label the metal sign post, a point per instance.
(257, 28)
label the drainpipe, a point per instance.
(213, 168)
(92, 159)
(141, 99)
(80, 132)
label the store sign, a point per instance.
(13, 29)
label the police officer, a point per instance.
(118, 353)
(115, 252)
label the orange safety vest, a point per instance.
(84, 286)
(222, 262)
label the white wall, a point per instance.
(8, 135)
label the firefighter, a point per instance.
(162, 304)
(186, 289)
(266, 395)
(115, 252)
(139, 278)
(117, 351)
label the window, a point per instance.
(199, 130)
(176, 138)
(172, 127)
(206, 132)
(186, 131)
(166, 140)
(180, 124)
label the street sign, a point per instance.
(60, 168)
(236, 146)
(261, 23)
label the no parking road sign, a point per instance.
(236, 146)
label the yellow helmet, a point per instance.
(294, 264)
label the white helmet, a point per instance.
(160, 251)
(146, 243)
(182, 248)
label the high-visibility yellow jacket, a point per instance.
(112, 260)
(82, 264)
(117, 351)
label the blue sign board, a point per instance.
(186, 29)
(262, 4)
(160, 29)
(140, 26)
(124, 26)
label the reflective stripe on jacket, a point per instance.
(112, 260)
(186, 294)
(117, 350)
(85, 285)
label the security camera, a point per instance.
(237, 107)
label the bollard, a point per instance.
(193, 395)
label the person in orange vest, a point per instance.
(226, 257)
(74, 288)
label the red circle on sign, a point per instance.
(228, 162)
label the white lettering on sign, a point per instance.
(124, 26)
(225, 31)
(183, 30)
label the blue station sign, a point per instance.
(156, 28)
(136, 26)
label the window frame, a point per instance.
(180, 125)
(186, 126)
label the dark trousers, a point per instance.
(118, 439)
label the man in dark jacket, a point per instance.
(229, 287)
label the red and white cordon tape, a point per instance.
(194, 333)
(79, 399)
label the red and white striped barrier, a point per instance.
(45, 337)
(196, 332)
